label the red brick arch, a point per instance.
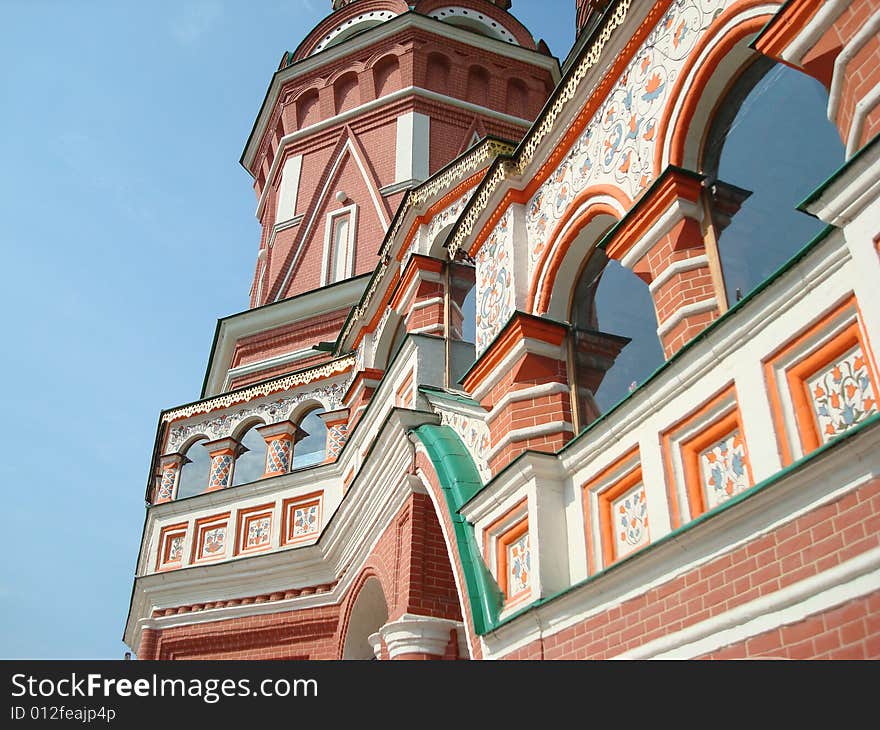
(583, 210)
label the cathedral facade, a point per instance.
(544, 358)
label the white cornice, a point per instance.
(847, 195)
(372, 37)
(231, 329)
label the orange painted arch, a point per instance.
(723, 46)
(575, 219)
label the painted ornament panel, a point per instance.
(629, 516)
(495, 295)
(842, 394)
(259, 530)
(519, 566)
(617, 146)
(213, 542)
(175, 549)
(723, 469)
(305, 520)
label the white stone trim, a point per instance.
(330, 253)
(478, 17)
(379, 15)
(864, 106)
(520, 394)
(852, 579)
(866, 33)
(521, 348)
(252, 321)
(268, 363)
(851, 466)
(425, 303)
(678, 267)
(705, 305)
(413, 147)
(814, 30)
(278, 227)
(679, 210)
(288, 189)
(522, 434)
(413, 634)
(845, 199)
(430, 329)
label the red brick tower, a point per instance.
(374, 100)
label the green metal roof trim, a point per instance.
(460, 481)
(442, 394)
(836, 175)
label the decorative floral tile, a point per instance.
(723, 469)
(629, 513)
(494, 295)
(842, 394)
(305, 520)
(175, 549)
(259, 530)
(519, 566)
(213, 542)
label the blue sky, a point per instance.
(127, 228)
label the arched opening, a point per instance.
(195, 470)
(768, 146)
(463, 304)
(312, 448)
(345, 92)
(368, 614)
(386, 75)
(307, 109)
(437, 73)
(614, 346)
(478, 85)
(251, 462)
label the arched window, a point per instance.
(251, 462)
(769, 145)
(614, 343)
(311, 449)
(195, 470)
